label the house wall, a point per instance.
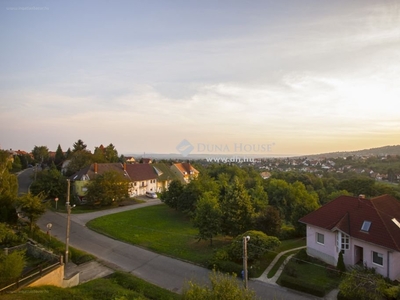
(326, 252)
(142, 187)
(329, 253)
(80, 187)
(391, 259)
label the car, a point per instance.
(151, 195)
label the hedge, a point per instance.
(296, 284)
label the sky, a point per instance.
(291, 77)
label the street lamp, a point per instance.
(56, 200)
(245, 275)
(68, 223)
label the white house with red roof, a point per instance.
(367, 231)
(143, 178)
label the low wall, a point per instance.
(55, 277)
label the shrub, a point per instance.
(257, 246)
(340, 264)
(287, 232)
(301, 286)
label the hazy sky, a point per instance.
(303, 76)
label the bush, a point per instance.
(257, 246)
(301, 286)
(340, 264)
(287, 232)
(227, 266)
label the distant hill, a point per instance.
(386, 150)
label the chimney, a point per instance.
(95, 168)
(361, 196)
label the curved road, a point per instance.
(161, 270)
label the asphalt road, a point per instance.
(161, 270)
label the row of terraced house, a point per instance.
(143, 177)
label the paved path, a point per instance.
(272, 280)
(161, 270)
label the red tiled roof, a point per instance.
(139, 172)
(186, 167)
(347, 214)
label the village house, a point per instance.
(184, 171)
(366, 231)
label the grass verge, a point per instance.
(160, 229)
(119, 285)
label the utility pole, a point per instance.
(245, 277)
(68, 206)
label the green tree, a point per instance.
(108, 188)
(238, 211)
(79, 146)
(223, 287)
(363, 284)
(269, 221)
(257, 246)
(40, 154)
(171, 196)
(278, 190)
(111, 154)
(8, 190)
(358, 185)
(8, 238)
(32, 207)
(207, 217)
(17, 166)
(302, 202)
(190, 195)
(11, 266)
(59, 157)
(50, 183)
(340, 264)
(79, 160)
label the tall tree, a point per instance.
(269, 221)
(32, 207)
(8, 190)
(108, 188)
(111, 154)
(171, 196)
(40, 154)
(59, 157)
(79, 146)
(50, 183)
(207, 217)
(238, 211)
(79, 160)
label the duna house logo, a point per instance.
(185, 147)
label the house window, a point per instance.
(320, 238)
(343, 241)
(142, 183)
(377, 258)
(365, 226)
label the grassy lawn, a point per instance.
(81, 209)
(160, 229)
(119, 285)
(311, 273)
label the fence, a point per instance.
(36, 273)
